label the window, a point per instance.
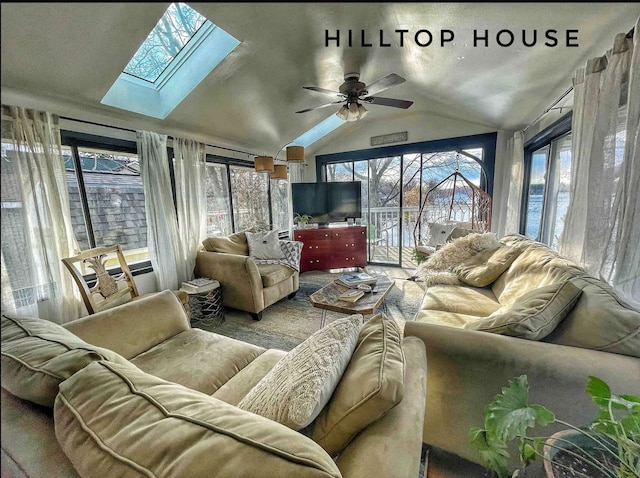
(219, 221)
(239, 198)
(106, 196)
(182, 49)
(173, 31)
(547, 179)
(395, 184)
(250, 197)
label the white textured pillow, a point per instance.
(264, 245)
(439, 233)
(298, 387)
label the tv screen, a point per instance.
(327, 201)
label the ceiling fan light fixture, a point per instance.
(352, 112)
(343, 113)
(362, 111)
(264, 164)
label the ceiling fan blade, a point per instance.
(320, 106)
(384, 83)
(323, 90)
(378, 100)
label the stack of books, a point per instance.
(352, 295)
(356, 278)
(199, 285)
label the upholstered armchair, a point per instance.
(249, 283)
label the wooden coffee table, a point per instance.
(327, 298)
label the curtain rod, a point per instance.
(134, 131)
(563, 95)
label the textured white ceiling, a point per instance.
(74, 52)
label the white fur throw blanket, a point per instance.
(437, 269)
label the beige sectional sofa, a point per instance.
(135, 391)
(600, 336)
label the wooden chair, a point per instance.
(109, 289)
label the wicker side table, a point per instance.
(206, 306)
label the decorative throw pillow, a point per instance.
(116, 420)
(439, 233)
(37, 355)
(233, 244)
(372, 384)
(486, 266)
(264, 245)
(534, 315)
(452, 253)
(298, 387)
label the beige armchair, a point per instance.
(246, 283)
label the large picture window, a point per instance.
(107, 198)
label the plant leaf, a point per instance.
(493, 453)
(631, 398)
(509, 415)
(527, 452)
(599, 391)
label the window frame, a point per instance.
(547, 137)
(74, 140)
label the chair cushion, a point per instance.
(534, 315)
(232, 244)
(486, 266)
(272, 274)
(116, 420)
(298, 387)
(372, 384)
(37, 355)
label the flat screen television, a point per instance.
(327, 201)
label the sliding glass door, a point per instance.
(547, 190)
(394, 187)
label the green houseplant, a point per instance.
(614, 433)
(302, 220)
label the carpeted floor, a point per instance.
(287, 323)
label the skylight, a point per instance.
(173, 31)
(181, 50)
(318, 131)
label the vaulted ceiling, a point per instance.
(71, 53)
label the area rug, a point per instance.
(289, 322)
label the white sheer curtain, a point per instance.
(601, 230)
(189, 166)
(296, 175)
(162, 223)
(512, 184)
(36, 221)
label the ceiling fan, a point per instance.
(352, 93)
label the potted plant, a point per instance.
(609, 447)
(302, 220)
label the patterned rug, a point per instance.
(287, 323)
